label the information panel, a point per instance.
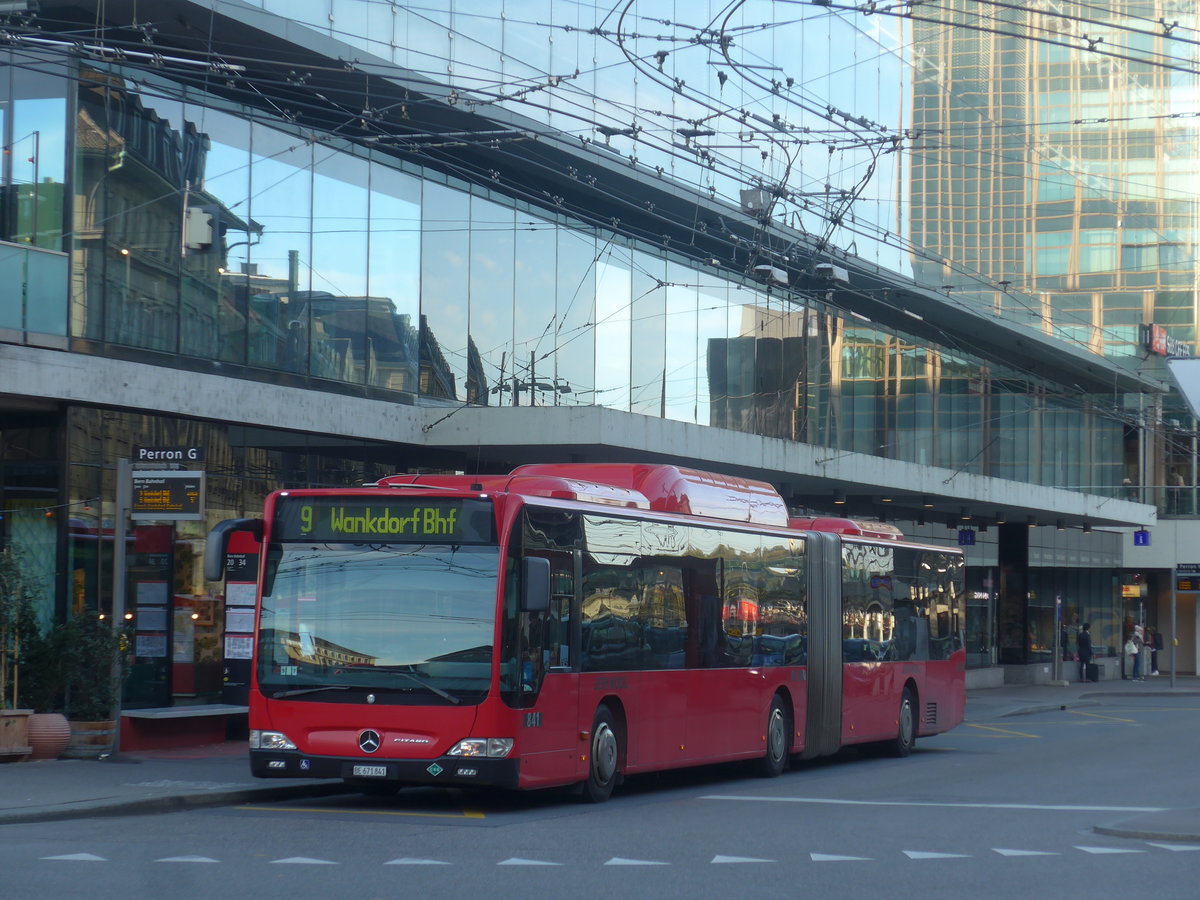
(167, 495)
(418, 520)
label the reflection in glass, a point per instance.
(573, 324)
(412, 620)
(613, 327)
(491, 314)
(534, 283)
(394, 280)
(683, 352)
(280, 278)
(647, 335)
(445, 273)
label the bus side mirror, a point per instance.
(217, 547)
(535, 584)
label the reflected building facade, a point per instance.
(1055, 186)
(307, 296)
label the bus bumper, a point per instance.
(446, 770)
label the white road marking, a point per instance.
(1175, 847)
(200, 859)
(1102, 850)
(1004, 852)
(78, 857)
(830, 857)
(739, 859)
(517, 861)
(926, 854)
(1054, 807)
(409, 861)
(622, 861)
(305, 861)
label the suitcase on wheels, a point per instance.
(1091, 671)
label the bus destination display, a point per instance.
(375, 520)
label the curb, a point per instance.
(1046, 707)
(169, 803)
(1142, 828)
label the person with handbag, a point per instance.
(1133, 648)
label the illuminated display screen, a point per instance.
(378, 520)
(167, 495)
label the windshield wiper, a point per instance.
(445, 695)
(279, 695)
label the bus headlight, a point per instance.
(494, 747)
(270, 740)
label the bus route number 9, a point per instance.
(306, 519)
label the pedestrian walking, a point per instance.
(1156, 644)
(1083, 642)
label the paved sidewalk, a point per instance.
(151, 781)
(219, 774)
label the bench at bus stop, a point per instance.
(165, 727)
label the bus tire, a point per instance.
(779, 732)
(906, 735)
(604, 760)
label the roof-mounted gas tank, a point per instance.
(668, 488)
(838, 525)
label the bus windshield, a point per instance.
(408, 623)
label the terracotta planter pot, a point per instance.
(49, 734)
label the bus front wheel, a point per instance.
(779, 733)
(906, 733)
(604, 759)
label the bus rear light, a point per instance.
(493, 747)
(270, 740)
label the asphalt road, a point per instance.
(993, 808)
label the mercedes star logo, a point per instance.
(368, 741)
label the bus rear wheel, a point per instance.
(605, 757)
(906, 732)
(779, 732)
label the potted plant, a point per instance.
(90, 659)
(16, 618)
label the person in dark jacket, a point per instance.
(1084, 643)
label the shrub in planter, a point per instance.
(18, 625)
(90, 651)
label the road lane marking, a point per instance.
(465, 814)
(928, 854)
(739, 859)
(196, 859)
(1004, 852)
(77, 857)
(518, 861)
(1051, 807)
(623, 861)
(1004, 731)
(1175, 847)
(1076, 712)
(830, 857)
(304, 861)
(410, 861)
(1103, 850)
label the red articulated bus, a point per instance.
(573, 624)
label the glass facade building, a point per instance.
(368, 231)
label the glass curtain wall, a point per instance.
(210, 237)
